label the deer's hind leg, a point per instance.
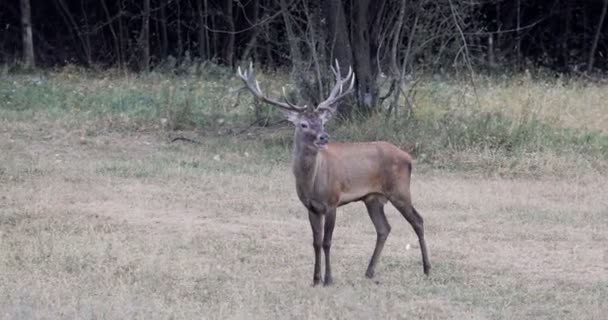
(375, 208)
(403, 203)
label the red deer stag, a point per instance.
(329, 175)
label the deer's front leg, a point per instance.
(316, 222)
(330, 221)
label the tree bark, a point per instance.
(202, 32)
(566, 37)
(87, 33)
(71, 22)
(178, 30)
(164, 39)
(297, 60)
(214, 38)
(339, 45)
(229, 49)
(518, 26)
(294, 48)
(28, 42)
(144, 39)
(268, 46)
(397, 39)
(117, 47)
(397, 76)
(316, 39)
(597, 37)
(253, 20)
(367, 90)
(122, 32)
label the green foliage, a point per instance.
(473, 140)
(492, 130)
(195, 98)
(514, 124)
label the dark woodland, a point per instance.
(388, 37)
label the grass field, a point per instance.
(101, 217)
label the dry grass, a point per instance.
(129, 226)
(568, 102)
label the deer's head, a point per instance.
(309, 121)
(310, 127)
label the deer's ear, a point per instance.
(325, 115)
(291, 116)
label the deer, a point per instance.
(329, 175)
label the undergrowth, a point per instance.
(486, 140)
(511, 124)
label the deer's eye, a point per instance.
(304, 125)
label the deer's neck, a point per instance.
(305, 166)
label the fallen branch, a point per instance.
(186, 139)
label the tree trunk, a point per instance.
(518, 27)
(316, 39)
(71, 22)
(597, 37)
(339, 45)
(253, 20)
(491, 56)
(202, 32)
(565, 43)
(294, 48)
(117, 47)
(144, 38)
(367, 90)
(397, 39)
(28, 42)
(87, 33)
(394, 66)
(229, 49)
(214, 38)
(499, 17)
(297, 59)
(121, 33)
(269, 62)
(164, 39)
(178, 31)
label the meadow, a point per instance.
(103, 217)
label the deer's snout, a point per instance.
(323, 138)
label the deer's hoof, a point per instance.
(427, 270)
(369, 274)
(328, 282)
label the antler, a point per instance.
(337, 92)
(253, 85)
